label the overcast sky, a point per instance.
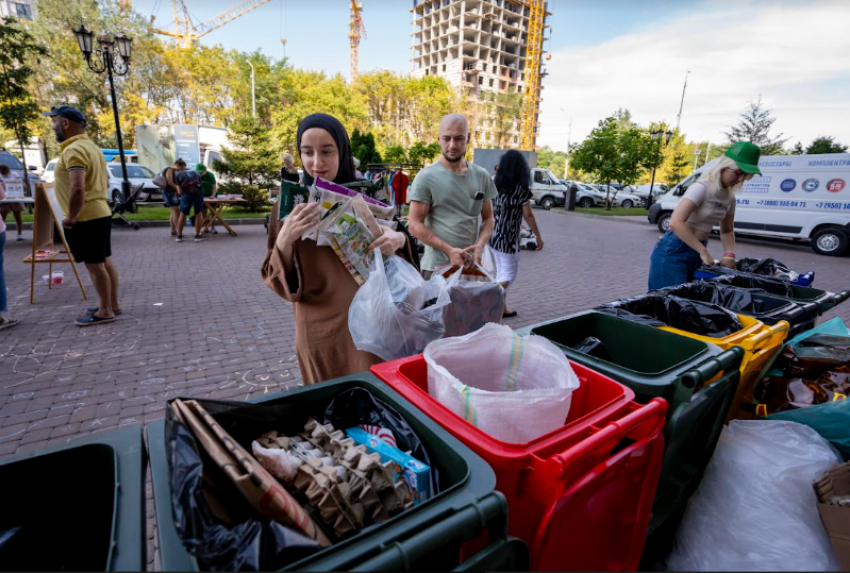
(608, 54)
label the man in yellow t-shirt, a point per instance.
(81, 183)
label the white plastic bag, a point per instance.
(511, 387)
(388, 316)
(755, 509)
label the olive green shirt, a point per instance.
(80, 152)
(455, 207)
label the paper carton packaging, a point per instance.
(836, 518)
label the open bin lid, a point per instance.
(113, 468)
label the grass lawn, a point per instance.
(158, 213)
(614, 212)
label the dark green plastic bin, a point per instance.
(777, 289)
(655, 363)
(80, 506)
(426, 537)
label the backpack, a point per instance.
(189, 182)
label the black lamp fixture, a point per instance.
(112, 57)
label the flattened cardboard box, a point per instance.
(836, 519)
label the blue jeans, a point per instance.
(672, 262)
(4, 308)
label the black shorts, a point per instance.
(90, 241)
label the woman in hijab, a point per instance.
(312, 277)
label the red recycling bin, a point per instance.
(579, 496)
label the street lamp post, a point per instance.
(657, 135)
(105, 61)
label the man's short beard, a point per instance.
(60, 134)
(450, 160)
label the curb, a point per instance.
(617, 218)
(257, 221)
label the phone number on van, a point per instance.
(834, 206)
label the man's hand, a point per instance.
(69, 222)
(477, 251)
(389, 242)
(539, 244)
(459, 258)
(706, 258)
(728, 263)
(302, 218)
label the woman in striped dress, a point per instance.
(511, 206)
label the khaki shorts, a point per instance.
(12, 207)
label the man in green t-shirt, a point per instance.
(447, 200)
(209, 187)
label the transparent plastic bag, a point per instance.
(755, 509)
(513, 388)
(477, 299)
(396, 313)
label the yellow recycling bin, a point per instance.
(760, 343)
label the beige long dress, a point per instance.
(321, 290)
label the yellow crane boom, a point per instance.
(528, 117)
(188, 34)
(356, 28)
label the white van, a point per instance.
(547, 189)
(802, 197)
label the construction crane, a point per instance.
(188, 34)
(356, 28)
(528, 117)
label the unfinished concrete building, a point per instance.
(478, 46)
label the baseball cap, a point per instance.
(200, 167)
(746, 155)
(68, 112)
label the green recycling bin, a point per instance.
(75, 507)
(442, 533)
(697, 379)
(777, 289)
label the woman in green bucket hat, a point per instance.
(707, 202)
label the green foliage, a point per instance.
(256, 199)
(825, 144)
(252, 158)
(503, 111)
(679, 168)
(754, 126)
(395, 154)
(555, 161)
(363, 148)
(18, 109)
(797, 149)
(422, 154)
(613, 152)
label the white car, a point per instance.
(627, 199)
(658, 190)
(138, 175)
(589, 196)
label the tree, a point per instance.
(825, 144)
(555, 161)
(252, 157)
(754, 126)
(679, 167)
(611, 153)
(18, 109)
(420, 153)
(395, 154)
(363, 148)
(503, 110)
(797, 149)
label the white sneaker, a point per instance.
(20, 238)
(198, 238)
(179, 239)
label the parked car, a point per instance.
(138, 175)
(627, 199)
(589, 196)
(15, 165)
(658, 190)
(546, 189)
(603, 190)
(49, 171)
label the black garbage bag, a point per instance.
(592, 346)
(769, 267)
(702, 318)
(770, 285)
(238, 539)
(743, 300)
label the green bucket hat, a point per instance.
(200, 167)
(746, 155)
